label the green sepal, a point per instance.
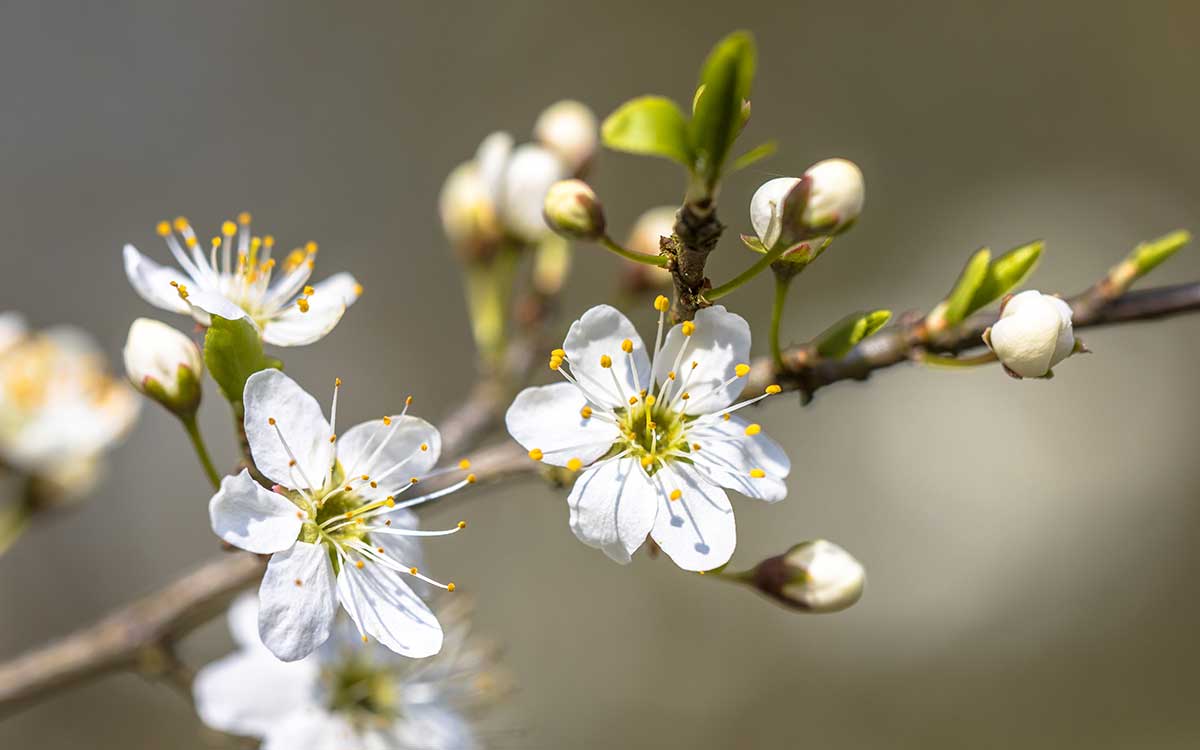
(186, 399)
(649, 125)
(754, 243)
(844, 335)
(719, 113)
(233, 351)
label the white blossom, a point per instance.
(337, 527)
(237, 277)
(1033, 335)
(154, 355)
(569, 129)
(656, 434)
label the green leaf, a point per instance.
(1004, 274)
(1148, 255)
(759, 152)
(844, 335)
(726, 77)
(233, 352)
(954, 308)
(650, 125)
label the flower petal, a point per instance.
(342, 285)
(530, 172)
(492, 158)
(727, 456)
(400, 459)
(599, 333)
(248, 692)
(317, 729)
(242, 619)
(297, 603)
(386, 609)
(271, 395)
(1025, 339)
(206, 303)
(153, 281)
(548, 418)
(720, 342)
(295, 327)
(613, 505)
(251, 518)
(697, 530)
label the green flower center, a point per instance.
(653, 433)
(361, 690)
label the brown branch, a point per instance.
(807, 372)
(139, 634)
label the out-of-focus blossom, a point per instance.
(569, 129)
(646, 237)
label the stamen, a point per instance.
(753, 429)
(574, 464)
(757, 473)
(676, 494)
(536, 454)
(687, 328)
(742, 370)
(605, 361)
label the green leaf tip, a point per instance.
(719, 109)
(844, 335)
(649, 125)
(1148, 255)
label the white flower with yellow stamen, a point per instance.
(59, 406)
(347, 695)
(337, 525)
(236, 277)
(656, 433)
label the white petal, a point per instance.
(294, 327)
(297, 603)
(720, 342)
(613, 505)
(311, 730)
(271, 395)
(242, 619)
(764, 207)
(1025, 341)
(12, 330)
(207, 303)
(342, 285)
(698, 529)
(528, 176)
(248, 692)
(153, 282)
(401, 457)
(727, 455)
(386, 609)
(548, 418)
(251, 518)
(492, 158)
(1065, 344)
(599, 333)
(431, 727)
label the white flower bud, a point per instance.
(569, 129)
(465, 206)
(164, 364)
(645, 237)
(835, 197)
(816, 576)
(572, 209)
(530, 172)
(1033, 335)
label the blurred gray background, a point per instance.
(1030, 546)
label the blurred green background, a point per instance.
(1029, 545)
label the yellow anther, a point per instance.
(688, 328)
(243, 217)
(348, 514)
(292, 462)
(627, 346)
(379, 550)
(685, 395)
(163, 228)
(271, 421)
(348, 488)
(650, 400)
(180, 223)
(773, 389)
(413, 480)
(310, 247)
(647, 460)
(742, 370)
(695, 446)
(215, 242)
(269, 240)
(333, 438)
(390, 502)
(255, 244)
(605, 361)
(661, 303)
(462, 524)
(757, 473)
(652, 425)
(753, 429)
(387, 421)
(450, 587)
(408, 400)
(695, 364)
(725, 417)
(676, 494)
(364, 639)
(309, 291)
(300, 514)
(575, 464)
(472, 479)
(671, 375)
(464, 464)
(412, 571)
(555, 363)
(358, 289)
(586, 412)
(302, 303)
(558, 353)
(424, 446)
(536, 454)
(229, 229)
(358, 564)
(337, 382)
(190, 242)
(632, 400)
(365, 477)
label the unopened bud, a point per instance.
(569, 129)
(468, 217)
(572, 209)
(791, 210)
(164, 364)
(816, 576)
(1033, 335)
(530, 172)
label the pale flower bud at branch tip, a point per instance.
(1033, 335)
(572, 209)
(164, 364)
(817, 576)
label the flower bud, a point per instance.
(1033, 335)
(465, 206)
(528, 175)
(646, 237)
(791, 210)
(816, 576)
(165, 365)
(572, 209)
(569, 129)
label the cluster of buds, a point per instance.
(499, 194)
(165, 365)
